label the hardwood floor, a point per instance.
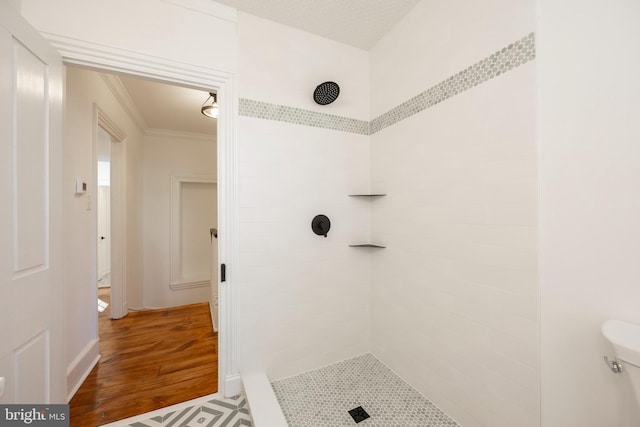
(150, 360)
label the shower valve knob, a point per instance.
(321, 225)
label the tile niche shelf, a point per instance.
(367, 245)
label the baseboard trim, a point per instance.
(214, 321)
(81, 367)
(179, 286)
(232, 385)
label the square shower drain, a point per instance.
(358, 414)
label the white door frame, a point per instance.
(101, 58)
(119, 305)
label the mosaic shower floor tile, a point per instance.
(229, 412)
(325, 396)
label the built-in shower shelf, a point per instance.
(367, 245)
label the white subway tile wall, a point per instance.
(500, 62)
(305, 298)
(452, 304)
(455, 294)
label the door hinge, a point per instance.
(223, 273)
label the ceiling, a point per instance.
(359, 23)
(169, 107)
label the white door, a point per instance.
(103, 201)
(31, 301)
(104, 233)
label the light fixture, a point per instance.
(210, 109)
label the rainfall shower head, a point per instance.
(326, 93)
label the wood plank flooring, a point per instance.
(150, 359)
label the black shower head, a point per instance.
(326, 93)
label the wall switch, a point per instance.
(1, 386)
(81, 187)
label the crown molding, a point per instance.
(109, 125)
(118, 90)
(176, 134)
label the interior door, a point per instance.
(103, 201)
(31, 301)
(104, 234)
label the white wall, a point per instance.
(281, 65)
(454, 296)
(168, 154)
(589, 205)
(198, 32)
(84, 88)
(303, 298)
(588, 97)
(439, 39)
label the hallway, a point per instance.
(149, 360)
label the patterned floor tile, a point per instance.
(230, 412)
(323, 397)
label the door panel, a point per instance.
(31, 363)
(31, 304)
(30, 140)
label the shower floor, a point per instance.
(323, 397)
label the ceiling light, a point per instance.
(210, 109)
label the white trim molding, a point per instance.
(178, 281)
(223, 82)
(118, 90)
(119, 305)
(181, 135)
(111, 59)
(81, 367)
(109, 125)
(179, 286)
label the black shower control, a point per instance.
(321, 225)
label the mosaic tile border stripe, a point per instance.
(506, 59)
(283, 113)
(500, 62)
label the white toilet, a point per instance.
(625, 339)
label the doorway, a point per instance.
(81, 351)
(103, 211)
(151, 159)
